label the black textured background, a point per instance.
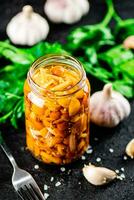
(73, 185)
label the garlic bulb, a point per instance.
(27, 27)
(129, 42)
(98, 175)
(130, 149)
(67, 11)
(108, 107)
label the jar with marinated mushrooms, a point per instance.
(57, 109)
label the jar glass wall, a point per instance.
(57, 109)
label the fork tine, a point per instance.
(21, 178)
(31, 193)
(27, 192)
(37, 191)
(22, 194)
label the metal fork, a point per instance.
(23, 182)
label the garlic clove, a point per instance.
(108, 107)
(130, 149)
(72, 14)
(55, 10)
(84, 5)
(129, 42)
(66, 11)
(27, 27)
(123, 102)
(75, 11)
(34, 133)
(98, 175)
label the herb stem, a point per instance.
(109, 14)
(4, 117)
(8, 68)
(117, 17)
(10, 95)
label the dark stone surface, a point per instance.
(73, 185)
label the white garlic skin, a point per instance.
(130, 149)
(27, 27)
(98, 175)
(108, 107)
(66, 11)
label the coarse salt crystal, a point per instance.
(111, 150)
(89, 147)
(22, 148)
(69, 171)
(83, 157)
(117, 171)
(63, 169)
(45, 187)
(36, 166)
(46, 195)
(98, 159)
(57, 184)
(122, 176)
(125, 158)
(96, 139)
(122, 169)
(89, 151)
(52, 179)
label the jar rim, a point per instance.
(50, 58)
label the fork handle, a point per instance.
(7, 152)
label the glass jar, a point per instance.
(57, 109)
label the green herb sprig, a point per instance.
(101, 51)
(12, 77)
(98, 47)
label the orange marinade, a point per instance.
(57, 117)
